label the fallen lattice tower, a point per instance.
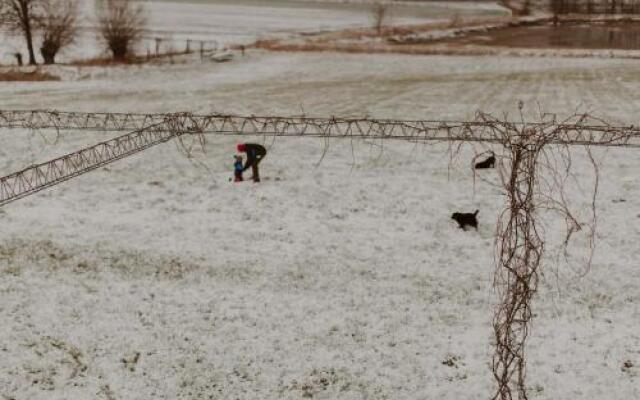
(586, 131)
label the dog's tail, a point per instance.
(475, 214)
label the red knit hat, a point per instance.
(241, 148)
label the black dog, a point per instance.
(466, 219)
(488, 163)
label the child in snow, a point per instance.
(237, 168)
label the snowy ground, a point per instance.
(322, 84)
(158, 278)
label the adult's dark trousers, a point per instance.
(254, 169)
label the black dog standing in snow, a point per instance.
(488, 163)
(466, 219)
(255, 154)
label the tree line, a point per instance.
(120, 25)
(595, 6)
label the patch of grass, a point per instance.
(13, 270)
(26, 76)
(131, 60)
(106, 62)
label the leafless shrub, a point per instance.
(455, 21)
(21, 16)
(379, 14)
(59, 27)
(121, 25)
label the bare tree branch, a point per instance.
(59, 27)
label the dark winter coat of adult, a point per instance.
(255, 154)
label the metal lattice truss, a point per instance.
(586, 131)
(41, 119)
(41, 176)
(151, 129)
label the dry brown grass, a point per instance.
(105, 62)
(388, 31)
(362, 48)
(394, 31)
(36, 75)
(355, 40)
(447, 49)
(130, 60)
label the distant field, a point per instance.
(241, 22)
(402, 86)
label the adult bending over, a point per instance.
(255, 154)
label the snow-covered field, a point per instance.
(345, 280)
(321, 84)
(158, 278)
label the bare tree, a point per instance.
(121, 25)
(21, 16)
(59, 27)
(379, 15)
(557, 8)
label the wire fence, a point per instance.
(89, 46)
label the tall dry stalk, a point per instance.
(379, 14)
